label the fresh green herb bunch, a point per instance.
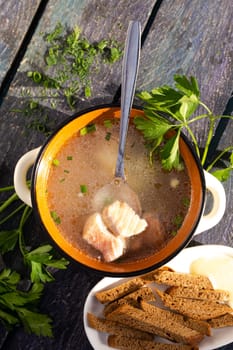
(179, 104)
(70, 58)
(22, 307)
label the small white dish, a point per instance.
(181, 263)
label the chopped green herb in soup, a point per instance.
(164, 196)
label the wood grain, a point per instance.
(15, 18)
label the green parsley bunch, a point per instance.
(19, 307)
(167, 108)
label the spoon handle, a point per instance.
(129, 76)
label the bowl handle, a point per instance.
(20, 175)
(216, 213)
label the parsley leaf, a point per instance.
(40, 259)
(188, 105)
(222, 174)
(187, 86)
(170, 153)
(35, 322)
(21, 307)
(8, 240)
(153, 127)
(8, 319)
(8, 277)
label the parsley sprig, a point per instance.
(19, 307)
(175, 108)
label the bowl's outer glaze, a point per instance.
(39, 181)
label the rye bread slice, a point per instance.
(125, 343)
(111, 294)
(200, 326)
(197, 309)
(150, 276)
(133, 299)
(196, 293)
(221, 321)
(112, 327)
(179, 279)
(136, 318)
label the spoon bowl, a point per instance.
(118, 189)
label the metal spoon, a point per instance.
(118, 189)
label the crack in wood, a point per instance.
(22, 49)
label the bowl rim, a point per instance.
(102, 271)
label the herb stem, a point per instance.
(10, 200)
(7, 188)
(193, 139)
(12, 213)
(202, 116)
(199, 117)
(26, 213)
(207, 108)
(219, 157)
(209, 137)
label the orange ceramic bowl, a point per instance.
(39, 200)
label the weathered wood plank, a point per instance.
(15, 18)
(97, 20)
(192, 38)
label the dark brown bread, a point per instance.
(196, 293)
(133, 299)
(197, 309)
(125, 343)
(119, 291)
(200, 326)
(136, 318)
(150, 276)
(182, 279)
(222, 321)
(112, 327)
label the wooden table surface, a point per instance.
(192, 37)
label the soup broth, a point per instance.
(86, 162)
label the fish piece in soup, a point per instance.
(153, 238)
(122, 220)
(97, 234)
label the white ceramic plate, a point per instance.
(180, 263)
